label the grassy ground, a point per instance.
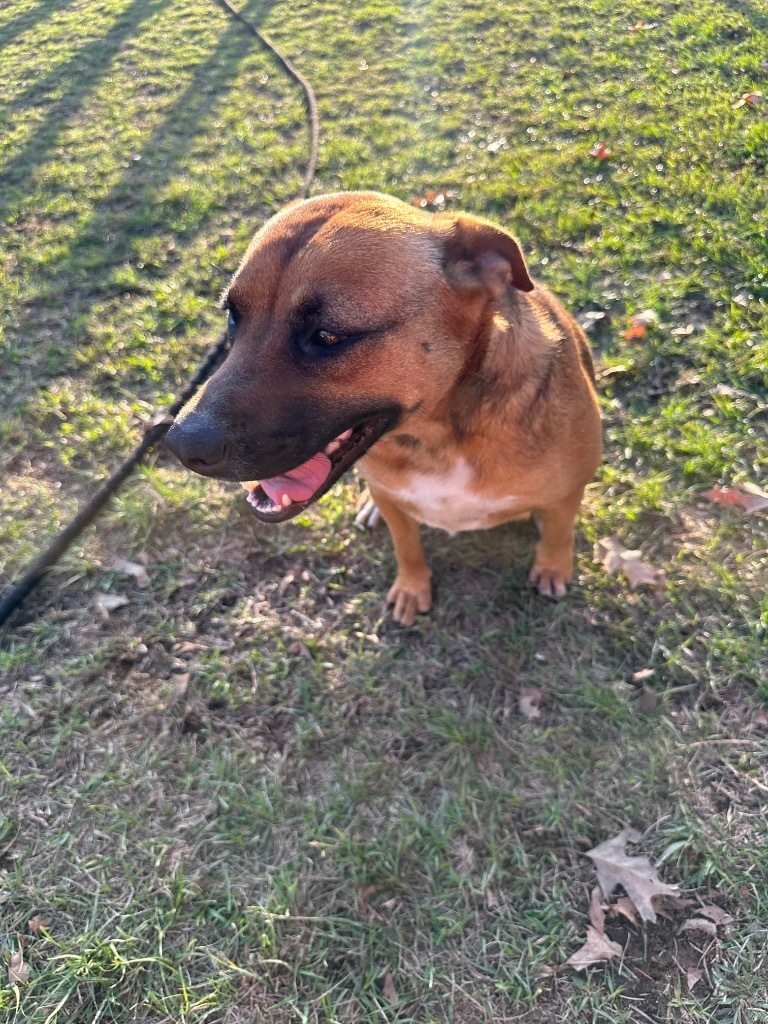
(246, 795)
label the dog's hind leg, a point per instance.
(553, 567)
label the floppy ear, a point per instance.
(479, 253)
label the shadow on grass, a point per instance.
(756, 14)
(132, 210)
(82, 73)
(19, 24)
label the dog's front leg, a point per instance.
(553, 568)
(412, 590)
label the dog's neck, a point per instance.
(501, 376)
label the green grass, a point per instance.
(328, 798)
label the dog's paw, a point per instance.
(550, 582)
(368, 516)
(408, 597)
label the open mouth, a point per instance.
(278, 498)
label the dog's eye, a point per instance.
(231, 320)
(325, 339)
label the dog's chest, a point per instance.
(451, 501)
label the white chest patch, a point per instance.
(450, 502)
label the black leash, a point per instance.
(213, 357)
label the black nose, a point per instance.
(198, 441)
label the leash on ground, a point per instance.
(212, 359)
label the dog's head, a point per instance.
(348, 313)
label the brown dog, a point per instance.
(365, 329)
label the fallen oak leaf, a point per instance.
(624, 907)
(636, 875)
(676, 902)
(716, 914)
(596, 949)
(614, 556)
(693, 977)
(18, 972)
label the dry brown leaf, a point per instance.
(36, 924)
(624, 907)
(698, 924)
(601, 151)
(18, 972)
(596, 911)
(138, 572)
(389, 991)
(750, 499)
(528, 703)
(614, 556)
(108, 603)
(636, 875)
(596, 949)
(465, 857)
(649, 699)
(693, 977)
(181, 682)
(716, 914)
(366, 910)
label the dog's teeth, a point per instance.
(286, 501)
(343, 437)
(332, 446)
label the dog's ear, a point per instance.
(479, 253)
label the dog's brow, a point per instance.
(308, 308)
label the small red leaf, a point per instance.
(748, 97)
(601, 151)
(751, 498)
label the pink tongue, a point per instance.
(300, 483)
